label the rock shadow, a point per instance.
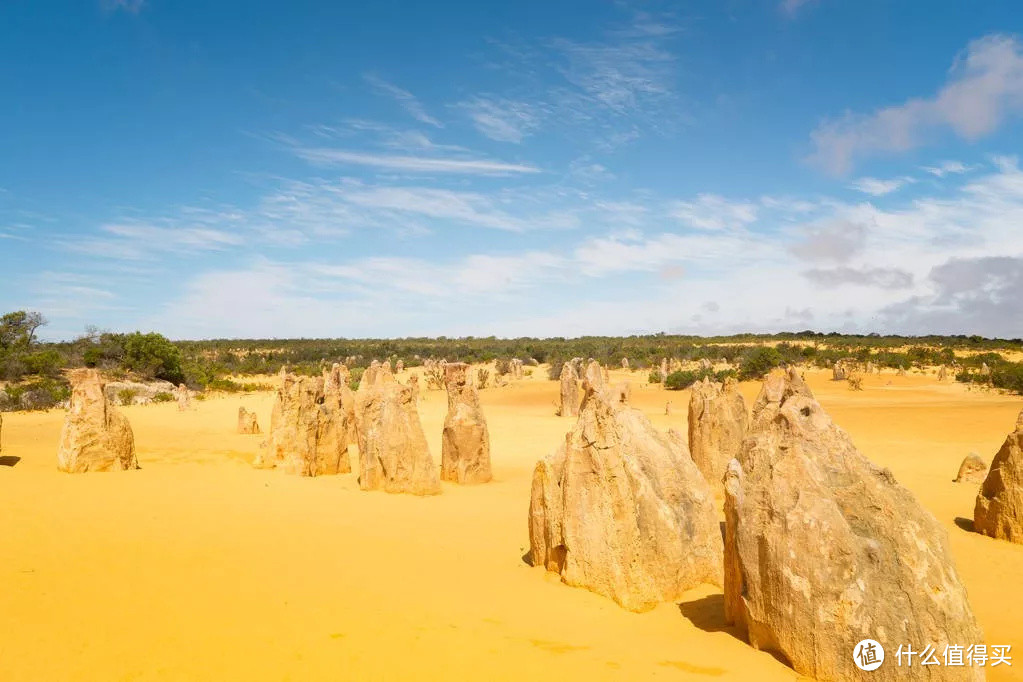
(9, 460)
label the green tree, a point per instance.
(153, 356)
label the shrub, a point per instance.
(502, 367)
(682, 379)
(855, 383)
(41, 394)
(354, 377)
(126, 395)
(655, 376)
(758, 361)
(163, 397)
(153, 356)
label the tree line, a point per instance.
(34, 370)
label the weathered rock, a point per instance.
(901, 371)
(247, 422)
(621, 510)
(594, 375)
(972, 470)
(824, 549)
(663, 369)
(705, 365)
(839, 372)
(999, 508)
(568, 405)
(333, 427)
(95, 437)
(668, 409)
(308, 433)
(985, 371)
(184, 397)
(625, 363)
(399, 367)
(393, 453)
(717, 425)
(465, 445)
(942, 373)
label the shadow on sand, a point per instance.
(965, 524)
(9, 460)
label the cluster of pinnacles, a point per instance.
(821, 548)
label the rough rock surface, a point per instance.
(839, 372)
(184, 397)
(568, 405)
(308, 434)
(824, 549)
(999, 508)
(972, 470)
(247, 422)
(393, 453)
(95, 437)
(465, 444)
(621, 510)
(717, 425)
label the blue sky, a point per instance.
(258, 169)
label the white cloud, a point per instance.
(414, 164)
(138, 241)
(948, 168)
(406, 99)
(713, 212)
(878, 188)
(984, 87)
(503, 119)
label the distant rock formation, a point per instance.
(465, 445)
(247, 422)
(717, 425)
(706, 365)
(308, 433)
(184, 397)
(942, 373)
(621, 510)
(625, 363)
(839, 372)
(95, 437)
(393, 453)
(568, 405)
(972, 470)
(999, 508)
(824, 549)
(399, 367)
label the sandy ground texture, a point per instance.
(199, 567)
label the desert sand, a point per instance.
(200, 567)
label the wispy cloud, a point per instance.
(713, 212)
(984, 87)
(414, 164)
(406, 99)
(132, 6)
(791, 7)
(503, 119)
(138, 241)
(879, 188)
(948, 168)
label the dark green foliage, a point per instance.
(654, 377)
(153, 356)
(758, 361)
(163, 397)
(683, 379)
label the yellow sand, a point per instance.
(199, 567)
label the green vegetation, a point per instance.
(34, 370)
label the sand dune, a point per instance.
(199, 567)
